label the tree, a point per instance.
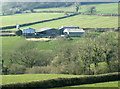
(18, 33)
(77, 6)
(91, 9)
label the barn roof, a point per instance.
(70, 27)
(74, 30)
(43, 29)
(29, 30)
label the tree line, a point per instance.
(91, 55)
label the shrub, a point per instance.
(18, 33)
(38, 70)
(16, 69)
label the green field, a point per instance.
(11, 43)
(7, 79)
(32, 77)
(83, 21)
(100, 8)
(103, 84)
(27, 18)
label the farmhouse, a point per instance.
(28, 32)
(47, 31)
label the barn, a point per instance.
(47, 32)
(74, 32)
(67, 27)
(29, 32)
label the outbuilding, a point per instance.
(74, 32)
(67, 27)
(47, 31)
(28, 32)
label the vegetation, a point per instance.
(61, 81)
(18, 33)
(27, 18)
(101, 8)
(19, 7)
(91, 86)
(83, 21)
(85, 55)
(7, 79)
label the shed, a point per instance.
(28, 32)
(74, 32)
(47, 31)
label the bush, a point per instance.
(38, 70)
(16, 69)
(18, 33)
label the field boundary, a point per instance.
(60, 82)
(42, 21)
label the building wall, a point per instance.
(75, 34)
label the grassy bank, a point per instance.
(48, 81)
(103, 84)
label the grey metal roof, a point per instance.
(73, 30)
(29, 30)
(43, 29)
(70, 27)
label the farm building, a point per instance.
(28, 32)
(67, 27)
(74, 32)
(47, 31)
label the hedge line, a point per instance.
(60, 82)
(32, 23)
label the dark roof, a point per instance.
(43, 29)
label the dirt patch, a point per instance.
(38, 39)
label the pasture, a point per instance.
(103, 84)
(32, 77)
(83, 21)
(11, 43)
(27, 18)
(107, 8)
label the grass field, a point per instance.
(32, 77)
(27, 18)
(100, 8)
(103, 84)
(6, 79)
(83, 21)
(10, 43)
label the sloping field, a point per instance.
(27, 18)
(107, 8)
(53, 80)
(104, 84)
(83, 21)
(32, 77)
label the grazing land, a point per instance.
(27, 18)
(103, 84)
(83, 21)
(109, 8)
(32, 77)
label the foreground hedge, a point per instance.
(60, 82)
